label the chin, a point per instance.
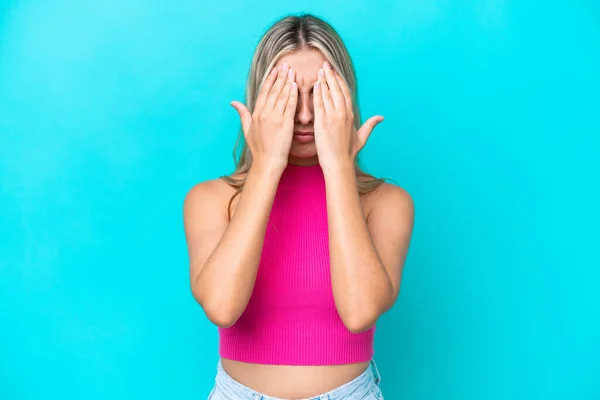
(303, 150)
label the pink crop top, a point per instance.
(291, 318)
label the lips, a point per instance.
(304, 136)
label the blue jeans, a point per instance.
(363, 387)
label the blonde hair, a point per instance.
(286, 36)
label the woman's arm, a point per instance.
(367, 257)
(224, 256)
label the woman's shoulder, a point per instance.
(209, 188)
(387, 195)
(212, 193)
(387, 189)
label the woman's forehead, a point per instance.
(306, 62)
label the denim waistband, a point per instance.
(361, 382)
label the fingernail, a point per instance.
(321, 73)
(284, 66)
(274, 71)
(291, 73)
(317, 85)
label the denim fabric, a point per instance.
(363, 387)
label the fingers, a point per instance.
(345, 91)
(290, 108)
(328, 105)
(245, 116)
(367, 128)
(334, 87)
(277, 86)
(284, 96)
(265, 89)
(319, 108)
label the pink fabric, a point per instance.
(291, 318)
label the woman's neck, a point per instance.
(303, 162)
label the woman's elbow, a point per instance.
(359, 325)
(223, 317)
(217, 312)
(364, 317)
(222, 320)
(360, 321)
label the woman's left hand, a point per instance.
(336, 137)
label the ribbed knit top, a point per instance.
(291, 318)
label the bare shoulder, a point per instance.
(206, 192)
(205, 220)
(389, 198)
(211, 195)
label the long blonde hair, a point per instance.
(287, 35)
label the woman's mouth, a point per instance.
(304, 136)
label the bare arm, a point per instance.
(224, 256)
(367, 258)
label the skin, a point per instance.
(369, 234)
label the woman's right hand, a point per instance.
(269, 130)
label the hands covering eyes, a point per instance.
(336, 137)
(269, 129)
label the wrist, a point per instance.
(271, 167)
(340, 177)
(337, 164)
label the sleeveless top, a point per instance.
(291, 318)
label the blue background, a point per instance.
(110, 111)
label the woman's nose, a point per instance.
(304, 113)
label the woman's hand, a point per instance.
(336, 137)
(270, 129)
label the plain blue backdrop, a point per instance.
(110, 111)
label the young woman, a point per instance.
(297, 253)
